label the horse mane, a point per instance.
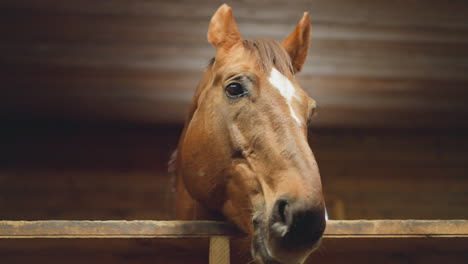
(270, 53)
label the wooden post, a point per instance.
(219, 250)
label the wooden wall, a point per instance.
(93, 94)
(128, 251)
(387, 64)
(85, 171)
(395, 176)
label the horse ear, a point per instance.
(223, 31)
(297, 43)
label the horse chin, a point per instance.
(263, 255)
(260, 252)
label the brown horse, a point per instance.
(244, 155)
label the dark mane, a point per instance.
(270, 54)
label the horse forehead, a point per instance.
(286, 89)
(282, 84)
(237, 55)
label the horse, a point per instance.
(243, 155)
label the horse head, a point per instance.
(244, 151)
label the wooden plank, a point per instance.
(219, 250)
(148, 86)
(195, 250)
(402, 13)
(113, 229)
(187, 229)
(111, 30)
(394, 246)
(176, 251)
(327, 58)
(397, 228)
(113, 250)
(112, 95)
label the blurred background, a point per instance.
(94, 94)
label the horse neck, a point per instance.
(188, 208)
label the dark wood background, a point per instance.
(389, 64)
(94, 93)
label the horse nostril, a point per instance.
(297, 223)
(280, 218)
(256, 223)
(282, 211)
(306, 227)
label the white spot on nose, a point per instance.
(286, 88)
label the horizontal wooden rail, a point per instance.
(191, 229)
(397, 228)
(113, 229)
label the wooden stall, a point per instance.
(94, 94)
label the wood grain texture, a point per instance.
(86, 171)
(113, 229)
(176, 251)
(190, 229)
(366, 241)
(372, 64)
(189, 250)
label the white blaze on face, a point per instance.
(286, 88)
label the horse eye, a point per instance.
(235, 90)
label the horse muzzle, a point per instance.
(292, 231)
